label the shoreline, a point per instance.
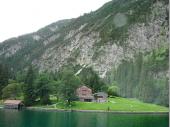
(97, 111)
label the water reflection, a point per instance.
(14, 118)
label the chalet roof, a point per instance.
(101, 94)
(86, 97)
(15, 102)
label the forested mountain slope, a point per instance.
(124, 41)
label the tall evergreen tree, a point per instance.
(90, 78)
(29, 94)
(43, 88)
(69, 83)
(4, 75)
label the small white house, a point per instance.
(100, 97)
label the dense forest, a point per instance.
(34, 87)
(142, 77)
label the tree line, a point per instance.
(144, 77)
(36, 88)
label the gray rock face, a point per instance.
(79, 46)
(10, 50)
(142, 38)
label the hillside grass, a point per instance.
(113, 104)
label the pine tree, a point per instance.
(29, 95)
(69, 83)
(90, 78)
(43, 88)
(4, 75)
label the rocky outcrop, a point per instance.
(81, 46)
(63, 42)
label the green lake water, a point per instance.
(29, 118)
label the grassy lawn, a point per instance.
(113, 104)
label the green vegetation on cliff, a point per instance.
(145, 77)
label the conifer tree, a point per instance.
(4, 75)
(29, 95)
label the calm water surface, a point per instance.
(28, 118)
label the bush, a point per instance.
(113, 89)
(11, 91)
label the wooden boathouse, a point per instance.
(13, 104)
